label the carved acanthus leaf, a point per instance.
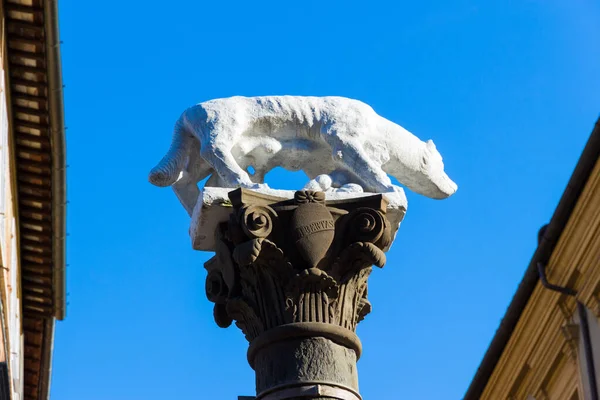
(258, 251)
(245, 317)
(222, 318)
(313, 280)
(311, 294)
(352, 304)
(225, 264)
(355, 257)
(363, 309)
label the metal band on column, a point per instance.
(310, 389)
(337, 334)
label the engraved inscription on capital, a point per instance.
(314, 227)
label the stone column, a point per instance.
(292, 274)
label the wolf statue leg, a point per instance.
(354, 161)
(186, 187)
(259, 175)
(230, 173)
(345, 181)
(214, 181)
(374, 179)
(187, 192)
(341, 177)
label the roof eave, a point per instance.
(56, 109)
(546, 246)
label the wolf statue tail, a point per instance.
(169, 168)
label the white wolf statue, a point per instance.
(238, 140)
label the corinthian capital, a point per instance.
(295, 267)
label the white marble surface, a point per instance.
(236, 141)
(214, 207)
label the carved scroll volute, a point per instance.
(257, 221)
(370, 226)
(366, 233)
(217, 292)
(222, 278)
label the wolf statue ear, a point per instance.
(431, 145)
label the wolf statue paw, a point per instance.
(350, 188)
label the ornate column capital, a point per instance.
(296, 267)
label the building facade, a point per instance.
(32, 196)
(548, 344)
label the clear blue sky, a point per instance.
(508, 90)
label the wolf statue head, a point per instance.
(438, 184)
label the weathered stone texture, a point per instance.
(306, 360)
